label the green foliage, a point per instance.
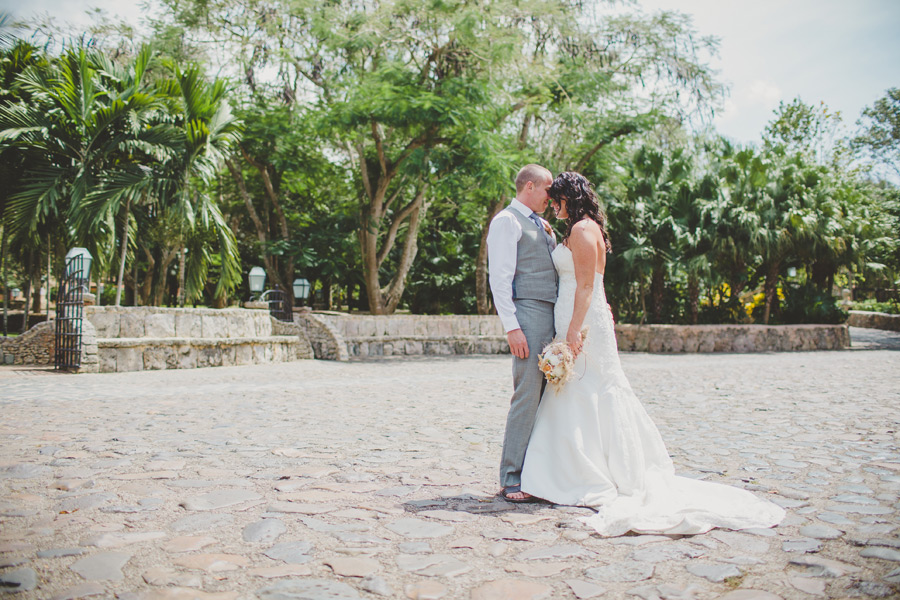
(371, 142)
(806, 303)
(872, 305)
(879, 135)
(104, 142)
(706, 233)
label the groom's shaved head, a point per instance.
(534, 173)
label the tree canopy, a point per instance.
(366, 145)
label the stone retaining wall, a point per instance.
(146, 338)
(34, 347)
(367, 335)
(673, 339)
(37, 346)
(874, 320)
(139, 338)
(326, 341)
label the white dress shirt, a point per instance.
(503, 237)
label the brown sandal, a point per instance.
(512, 489)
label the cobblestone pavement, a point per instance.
(324, 480)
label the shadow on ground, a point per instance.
(874, 339)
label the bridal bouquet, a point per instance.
(557, 361)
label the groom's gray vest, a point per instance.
(535, 276)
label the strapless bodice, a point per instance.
(598, 318)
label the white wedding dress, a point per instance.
(594, 445)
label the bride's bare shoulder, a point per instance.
(586, 228)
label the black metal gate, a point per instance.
(69, 315)
(279, 305)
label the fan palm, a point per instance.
(207, 133)
(91, 129)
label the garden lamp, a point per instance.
(301, 289)
(257, 279)
(84, 273)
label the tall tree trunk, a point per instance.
(694, 296)
(160, 290)
(135, 300)
(410, 248)
(28, 278)
(3, 260)
(221, 300)
(37, 287)
(375, 214)
(385, 301)
(49, 269)
(328, 293)
(147, 283)
(657, 291)
(482, 288)
(120, 283)
(769, 289)
(262, 231)
(642, 290)
(284, 276)
(368, 240)
(737, 283)
(181, 262)
(818, 273)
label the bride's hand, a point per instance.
(575, 341)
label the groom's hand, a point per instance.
(518, 345)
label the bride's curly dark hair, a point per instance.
(581, 201)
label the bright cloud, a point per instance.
(764, 93)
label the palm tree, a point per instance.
(693, 239)
(207, 134)
(92, 128)
(657, 182)
(733, 221)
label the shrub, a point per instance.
(805, 303)
(875, 306)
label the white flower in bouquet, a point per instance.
(557, 361)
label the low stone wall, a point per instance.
(673, 339)
(367, 335)
(37, 346)
(34, 347)
(326, 341)
(874, 320)
(147, 338)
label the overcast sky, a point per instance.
(845, 53)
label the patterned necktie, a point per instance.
(551, 241)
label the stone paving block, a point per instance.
(84, 590)
(357, 447)
(219, 499)
(19, 580)
(512, 589)
(105, 566)
(308, 589)
(212, 563)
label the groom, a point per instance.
(523, 283)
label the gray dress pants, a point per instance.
(536, 320)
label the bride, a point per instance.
(593, 443)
